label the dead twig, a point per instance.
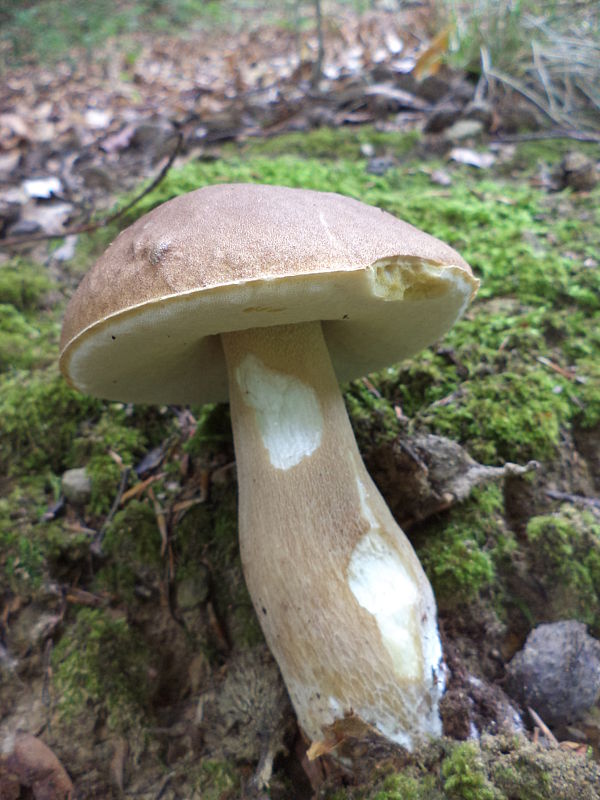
(575, 499)
(539, 722)
(566, 373)
(96, 546)
(13, 241)
(369, 386)
(140, 487)
(560, 133)
(81, 597)
(161, 521)
(528, 94)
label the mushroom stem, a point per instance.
(342, 599)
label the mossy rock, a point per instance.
(563, 564)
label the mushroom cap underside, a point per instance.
(144, 324)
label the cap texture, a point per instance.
(143, 324)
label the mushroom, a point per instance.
(269, 297)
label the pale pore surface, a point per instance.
(343, 601)
(371, 318)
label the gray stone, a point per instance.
(380, 165)
(77, 486)
(557, 673)
(578, 172)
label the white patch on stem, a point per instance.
(288, 413)
(384, 587)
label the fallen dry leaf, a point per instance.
(27, 763)
(430, 60)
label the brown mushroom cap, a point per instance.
(143, 325)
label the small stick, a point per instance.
(537, 136)
(141, 487)
(576, 499)
(12, 241)
(542, 726)
(566, 373)
(96, 546)
(375, 392)
(160, 521)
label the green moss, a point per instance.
(213, 430)
(24, 284)
(330, 143)
(407, 787)
(22, 344)
(216, 780)
(111, 431)
(457, 551)
(528, 156)
(373, 417)
(506, 416)
(465, 775)
(39, 418)
(563, 552)
(523, 771)
(28, 330)
(27, 543)
(488, 389)
(102, 661)
(64, 550)
(132, 546)
(493, 768)
(588, 393)
(551, 573)
(418, 382)
(105, 446)
(209, 534)
(21, 554)
(105, 475)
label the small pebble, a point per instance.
(557, 673)
(77, 486)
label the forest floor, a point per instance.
(128, 643)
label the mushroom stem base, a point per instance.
(341, 596)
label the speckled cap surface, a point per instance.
(143, 325)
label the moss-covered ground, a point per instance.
(147, 594)
(497, 768)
